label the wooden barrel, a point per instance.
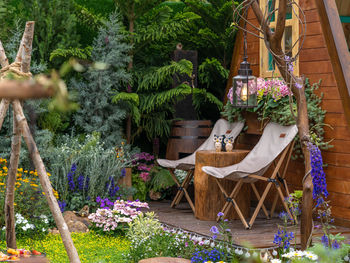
(186, 137)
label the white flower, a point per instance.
(274, 253)
(43, 229)
(311, 255)
(4, 228)
(276, 260)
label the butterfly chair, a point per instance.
(276, 141)
(221, 127)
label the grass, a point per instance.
(91, 247)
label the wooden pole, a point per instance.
(28, 89)
(46, 185)
(24, 55)
(10, 187)
(275, 42)
(4, 105)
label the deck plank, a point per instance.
(260, 236)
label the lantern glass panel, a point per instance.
(244, 91)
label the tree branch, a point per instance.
(13, 89)
(27, 46)
(3, 59)
(281, 21)
(260, 17)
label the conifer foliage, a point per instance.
(97, 86)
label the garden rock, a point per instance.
(76, 223)
(165, 260)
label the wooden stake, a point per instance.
(46, 185)
(10, 187)
(4, 105)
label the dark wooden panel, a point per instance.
(313, 28)
(338, 186)
(334, 106)
(340, 212)
(314, 42)
(314, 54)
(335, 119)
(337, 172)
(339, 146)
(342, 133)
(337, 159)
(307, 4)
(313, 67)
(311, 16)
(339, 200)
(328, 79)
(329, 93)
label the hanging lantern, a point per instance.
(244, 87)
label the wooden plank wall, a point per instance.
(315, 64)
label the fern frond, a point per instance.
(157, 76)
(161, 179)
(210, 67)
(87, 18)
(125, 96)
(80, 53)
(169, 28)
(201, 96)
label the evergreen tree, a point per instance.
(97, 86)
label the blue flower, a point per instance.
(335, 244)
(74, 167)
(71, 183)
(324, 240)
(81, 181)
(123, 172)
(220, 214)
(62, 205)
(214, 230)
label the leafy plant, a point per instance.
(274, 105)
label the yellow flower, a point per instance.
(25, 171)
(48, 174)
(20, 169)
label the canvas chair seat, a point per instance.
(221, 127)
(276, 141)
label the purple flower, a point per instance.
(220, 214)
(123, 172)
(317, 174)
(298, 85)
(214, 230)
(70, 178)
(74, 167)
(324, 240)
(335, 244)
(81, 180)
(62, 205)
(98, 199)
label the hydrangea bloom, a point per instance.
(122, 212)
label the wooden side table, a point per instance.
(209, 200)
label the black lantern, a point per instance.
(244, 87)
(244, 84)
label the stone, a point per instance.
(165, 260)
(76, 223)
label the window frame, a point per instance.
(264, 53)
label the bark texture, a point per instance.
(10, 187)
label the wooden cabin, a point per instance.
(324, 55)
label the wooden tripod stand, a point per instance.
(21, 68)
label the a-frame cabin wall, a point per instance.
(315, 63)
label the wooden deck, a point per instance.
(260, 236)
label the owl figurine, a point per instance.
(217, 143)
(229, 144)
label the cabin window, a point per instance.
(268, 68)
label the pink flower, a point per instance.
(145, 176)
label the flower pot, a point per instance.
(254, 125)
